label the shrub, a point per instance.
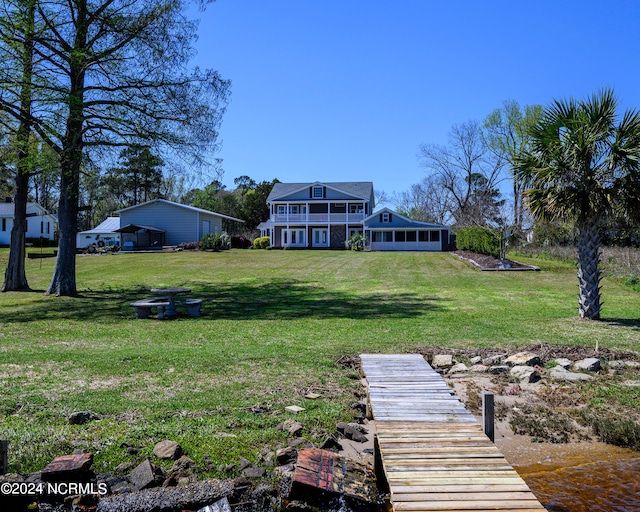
(240, 242)
(479, 239)
(357, 242)
(216, 241)
(614, 429)
(262, 242)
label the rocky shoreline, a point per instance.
(542, 394)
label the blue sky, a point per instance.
(346, 90)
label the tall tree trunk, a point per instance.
(516, 205)
(15, 277)
(589, 277)
(63, 281)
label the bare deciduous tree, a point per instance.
(469, 173)
(426, 201)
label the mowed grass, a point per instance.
(276, 324)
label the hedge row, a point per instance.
(479, 239)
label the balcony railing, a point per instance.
(315, 218)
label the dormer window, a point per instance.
(318, 192)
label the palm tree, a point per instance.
(583, 166)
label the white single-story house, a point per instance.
(104, 234)
(387, 230)
(325, 215)
(160, 222)
(40, 223)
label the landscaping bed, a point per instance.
(486, 262)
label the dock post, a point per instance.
(488, 415)
(4, 457)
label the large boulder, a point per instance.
(523, 358)
(525, 374)
(167, 450)
(560, 373)
(442, 361)
(591, 364)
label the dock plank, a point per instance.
(433, 451)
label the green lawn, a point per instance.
(275, 324)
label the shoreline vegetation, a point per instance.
(274, 326)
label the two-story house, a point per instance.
(318, 215)
(325, 215)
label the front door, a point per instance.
(293, 238)
(320, 237)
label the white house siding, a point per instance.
(180, 224)
(40, 226)
(86, 239)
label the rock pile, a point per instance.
(526, 367)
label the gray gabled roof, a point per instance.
(407, 220)
(360, 189)
(185, 206)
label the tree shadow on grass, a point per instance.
(622, 322)
(292, 299)
(274, 300)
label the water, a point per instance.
(592, 487)
(584, 477)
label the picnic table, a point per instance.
(171, 294)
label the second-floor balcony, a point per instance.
(317, 218)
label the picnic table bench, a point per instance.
(194, 306)
(144, 306)
(166, 304)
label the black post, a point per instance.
(487, 415)
(4, 457)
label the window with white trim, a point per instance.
(292, 208)
(386, 217)
(318, 192)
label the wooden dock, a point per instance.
(434, 452)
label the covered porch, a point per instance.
(141, 238)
